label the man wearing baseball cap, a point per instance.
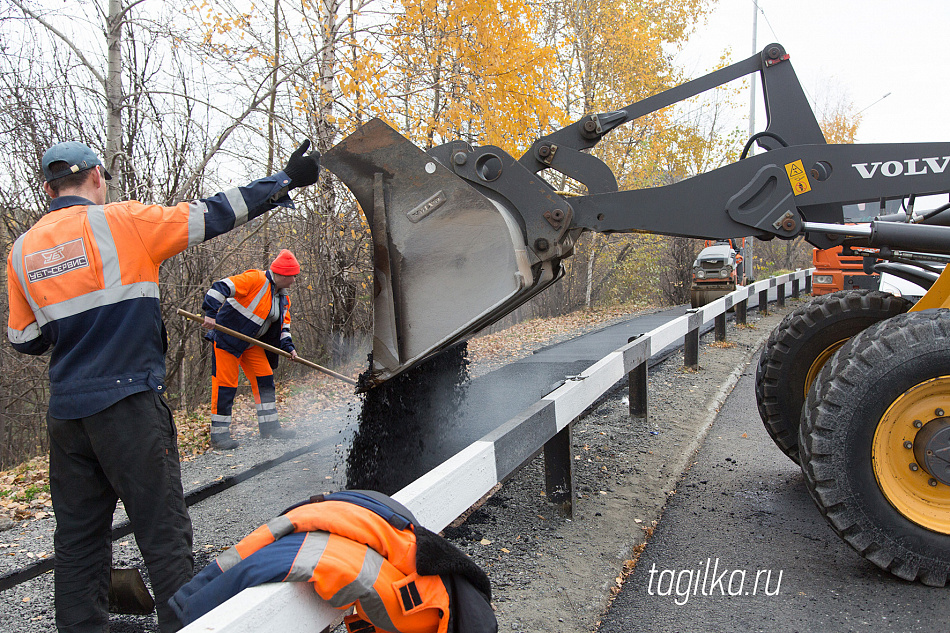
(75, 157)
(255, 303)
(84, 282)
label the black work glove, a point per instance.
(303, 170)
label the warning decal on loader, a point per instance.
(798, 178)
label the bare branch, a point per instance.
(52, 29)
(238, 121)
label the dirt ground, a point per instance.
(551, 573)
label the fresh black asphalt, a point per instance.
(446, 421)
(443, 423)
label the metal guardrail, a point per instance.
(446, 492)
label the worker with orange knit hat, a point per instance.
(255, 303)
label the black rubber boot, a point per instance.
(223, 441)
(273, 430)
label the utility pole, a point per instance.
(755, 49)
(750, 256)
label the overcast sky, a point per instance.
(862, 48)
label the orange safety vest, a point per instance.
(249, 303)
(354, 557)
(84, 281)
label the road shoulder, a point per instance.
(550, 573)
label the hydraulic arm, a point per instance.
(463, 235)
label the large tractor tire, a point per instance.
(875, 445)
(801, 345)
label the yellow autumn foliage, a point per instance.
(466, 69)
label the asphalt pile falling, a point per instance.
(402, 420)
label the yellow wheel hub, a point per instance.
(905, 483)
(819, 362)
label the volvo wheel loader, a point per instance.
(463, 235)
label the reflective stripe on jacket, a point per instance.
(352, 556)
(245, 303)
(84, 281)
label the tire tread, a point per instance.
(826, 476)
(779, 406)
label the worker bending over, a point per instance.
(358, 549)
(255, 303)
(84, 282)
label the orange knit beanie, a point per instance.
(285, 264)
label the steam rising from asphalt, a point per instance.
(404, 417)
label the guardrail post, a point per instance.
(721, 327)
(637, 388)
(691, 349)
(637, 393)
(807, 283)
(795, 288)
(559, 470)
(741, 311)
(780, 295)
(764, 302)
(691, 341)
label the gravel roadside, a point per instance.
(547, 571)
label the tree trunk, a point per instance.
(331, 34)
(114, 96)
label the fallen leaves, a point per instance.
(24, 490)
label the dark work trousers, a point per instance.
(128, 452)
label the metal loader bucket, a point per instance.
(447, 260)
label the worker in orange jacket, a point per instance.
(359, 549)
(84, 282)
(255, 303)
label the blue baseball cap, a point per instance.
(76, 155)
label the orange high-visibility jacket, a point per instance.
(251, 304)
(84, 281)
(353, 556)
